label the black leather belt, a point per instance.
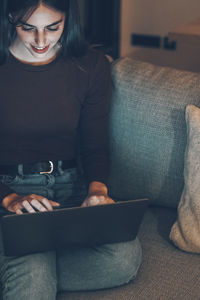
(46, 167)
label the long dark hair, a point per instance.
(13, 12)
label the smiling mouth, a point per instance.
(40, 50)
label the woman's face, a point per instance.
(37, 38)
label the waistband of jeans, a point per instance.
(45, 167)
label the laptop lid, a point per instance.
(79, 226)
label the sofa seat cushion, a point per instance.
(148, 131)
(166, 272)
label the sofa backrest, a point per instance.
(148, 131)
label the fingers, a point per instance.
(32, 203)
(27, 206)
(19, 212)
(91, 202)
(38, 205)
(47, 204)
(97, 200)
(84, 204)
(53, 203)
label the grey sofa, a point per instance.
(148, 139)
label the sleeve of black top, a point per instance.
(5, 191)
(94, 122)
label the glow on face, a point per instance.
(39, 35)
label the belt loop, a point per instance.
(60, 169)
(20, 170)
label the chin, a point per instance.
(40, 55)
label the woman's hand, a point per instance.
(97, 200)
(31, 203)
(97, 195)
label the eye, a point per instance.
(53, 29)
(27, 28)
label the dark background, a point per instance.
(101, 23)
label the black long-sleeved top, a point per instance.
(43, 110)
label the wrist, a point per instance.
(97, 188)
(9, 199)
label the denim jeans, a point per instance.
(40, 276)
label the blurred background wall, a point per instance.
(157, 17)
(111, 24)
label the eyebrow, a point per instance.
(55, 23)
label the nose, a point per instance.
(40, 38)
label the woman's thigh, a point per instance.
(99, 267)
(28, 277)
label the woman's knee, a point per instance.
(99, 267)
(125, 261)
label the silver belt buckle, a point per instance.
(51, 168)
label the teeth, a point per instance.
(40, 48)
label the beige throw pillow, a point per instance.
(185, 232)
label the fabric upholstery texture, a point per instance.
(166, 272)
(185, 232)
(148, 131)
(147, 150)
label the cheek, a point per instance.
(25, 37)
(55, 37)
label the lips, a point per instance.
(40, 50)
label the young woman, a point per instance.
(54, 109)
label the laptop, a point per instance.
(72, 226)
